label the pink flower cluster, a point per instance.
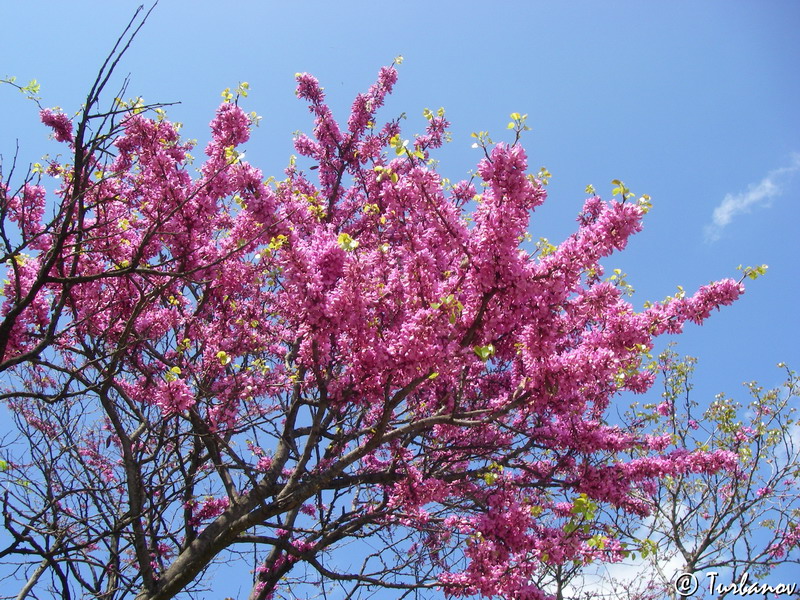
(787, 539)
(59, 122)
(207, 509)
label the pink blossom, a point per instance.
(231, 126)
(59, 122)
(173, 397)
(208, 509)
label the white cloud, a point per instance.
(615, 581)
(757, 195)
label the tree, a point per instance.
(220, 367)
(731, 522)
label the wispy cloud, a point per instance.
(757, 195)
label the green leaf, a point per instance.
(544, 175)
(620, 188)
(754, 272)
(484, 352)
(232, 155)
(347, 243)
(545, 247)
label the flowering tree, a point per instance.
(736, 523)
(222, 367)
(730, 522)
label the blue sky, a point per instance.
(693, 102)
